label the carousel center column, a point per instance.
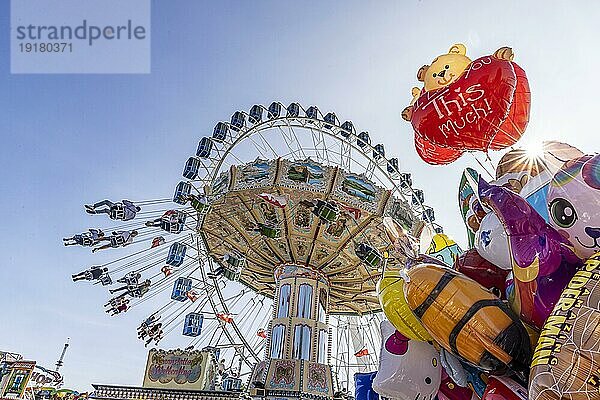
(297, 353)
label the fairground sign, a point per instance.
(177, 369)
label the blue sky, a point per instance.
(74, 139)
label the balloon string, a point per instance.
(489, 160)
(483, 166)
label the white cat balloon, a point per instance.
(408, 369)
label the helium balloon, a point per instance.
(403, 245)
(449, 390)
(534, 335)
(470, 209)
(543, 261)
(469, 105)
(462, 373)
(536, 193)
(491, 242)
(390, 290)
(566, 361)
(453, 367)
(363, 386)
(518, 166)
(466, 319)
(574, 203)
(484, 230)
(443, 248)
(482, 271)
(408, 369)
(528, 171)
(434, 154)
(477, 379)
(504, 388)
(425, 236)
(465, 194)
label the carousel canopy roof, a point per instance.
(273, 212)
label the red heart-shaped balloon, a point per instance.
(487, 107)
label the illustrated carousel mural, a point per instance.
(271, 250)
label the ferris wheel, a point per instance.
(276, 194)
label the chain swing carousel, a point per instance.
(272, 252)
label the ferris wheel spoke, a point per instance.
(263, 147)
(291, 140)
(235, 157)
(318, 143)
(224, 308)
(345, 156)
(370, 170)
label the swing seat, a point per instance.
(174, 223)
(117, 211)
(368, 255)
(137, 293)
(235, 261)
(117, 241)
(269, 231)
(232, 275)
(233, 266)
(199, 203)
(230, 384)
(105, 279)
(328, 212)
(130, 280)
(86, 240)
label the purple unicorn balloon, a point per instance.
(543, 261)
